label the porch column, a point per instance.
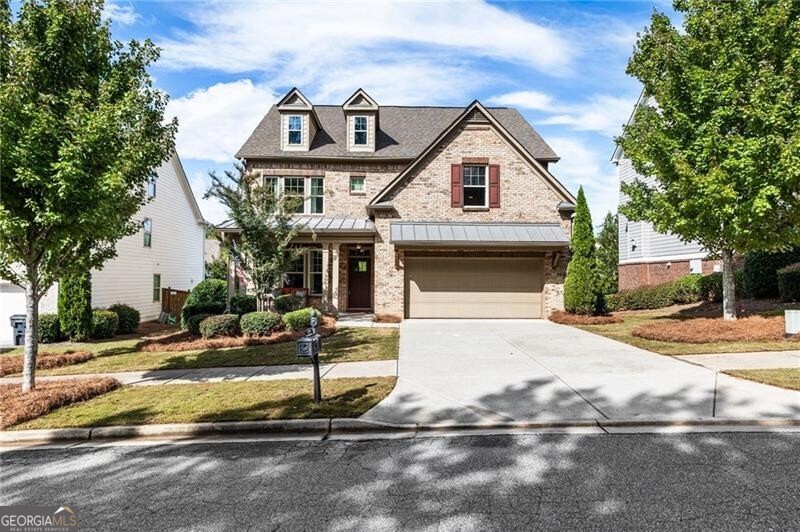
(326, 277)
(335, 278)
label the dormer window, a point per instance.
(295, 130)
(360, 130)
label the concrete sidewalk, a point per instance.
(374, 368)
(756, 360)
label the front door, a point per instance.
(359, 282)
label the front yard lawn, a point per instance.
(788, 378)
(346, 345)
(623, 332)
(226, 401)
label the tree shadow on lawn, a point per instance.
(534, 481)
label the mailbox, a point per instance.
(308, 345)
(18, 325)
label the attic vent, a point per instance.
(476, 116)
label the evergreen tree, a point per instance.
(75, 306)
(580, 286)
(607, 255)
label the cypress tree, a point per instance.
(75, 306)
(580, 287)
(607, 255)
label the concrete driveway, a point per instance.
(536, 370)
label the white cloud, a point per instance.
(525, 100)
(212, 210)
(579, 165)
(120, 14)
(214, 122)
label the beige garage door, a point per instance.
(438, 287)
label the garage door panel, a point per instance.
(473, 288)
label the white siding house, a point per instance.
(174, 257)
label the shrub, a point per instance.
(260, 323)
(75, 306)
(128, 317)
(760, 272)
(642, 297)
(686, 289)
(299, 319)
(287, 303)
(243, 304)
(789, 282)
(193, 323)
(200, 308)
(49, 329)
(222, 325)
(104, 323)
(209, 291)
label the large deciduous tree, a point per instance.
(265, 222)
(81, 130)
(718, 129)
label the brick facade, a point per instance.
(425, 195)
(653, 273)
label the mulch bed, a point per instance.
(17, 407)
(12, 364)
(565, 318)
(709, 330)
(387, 318)
(183, 341)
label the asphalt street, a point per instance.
(729, 481)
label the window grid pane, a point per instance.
(295, 129)
(356, 184)
(316, 272)
(156, 287)
(475, 186)
(317, 196)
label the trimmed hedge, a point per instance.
(789, 282)
(691, 288)
(49, 329)
(243, 304)
(222, 325)
(104, 323)
(287, 303)
(760, 272)
(260, 323)
(299, 320)
(129, 317)
(200, 308)
(711, 286)
(209, 291)
(193, 323)
(641, 298)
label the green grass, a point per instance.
(632, 319)
(226, 401)
(346, 345)
(788, 378)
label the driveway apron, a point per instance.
(536, 370)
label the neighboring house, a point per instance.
(418, 211)
(647, 257)
(167, 252)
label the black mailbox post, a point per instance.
(308, 346)
(18, 325)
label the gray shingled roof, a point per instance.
(321, 225)
(404, 132)
(477, 234)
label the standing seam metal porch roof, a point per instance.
(320, 224)
(479, 234)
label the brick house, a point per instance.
(418, 211)
(647, 257)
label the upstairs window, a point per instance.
(357, 185)
(296, 187)
(308, 191)
(147, 225)
(295, 129)
(475, 186)
(317, 196)
(360, 131)
(151, 186)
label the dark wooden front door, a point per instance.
(359, 283)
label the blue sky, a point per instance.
(562, 64)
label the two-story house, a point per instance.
(418, 212)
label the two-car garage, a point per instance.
(473, 287)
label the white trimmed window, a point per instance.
(315, 276)
(357, 185)
(475, 186)
(151, 186)
(296, 187)
(311, 190)
(360, 130)
(147, 226)
(295, 130)
(306, 272)
(317, 196)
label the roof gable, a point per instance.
(187, 189)
(474, 113)
(360, 101)
(294, 101)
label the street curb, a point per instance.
(325, 427)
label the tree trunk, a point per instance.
(728, 286)
(31, 338)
